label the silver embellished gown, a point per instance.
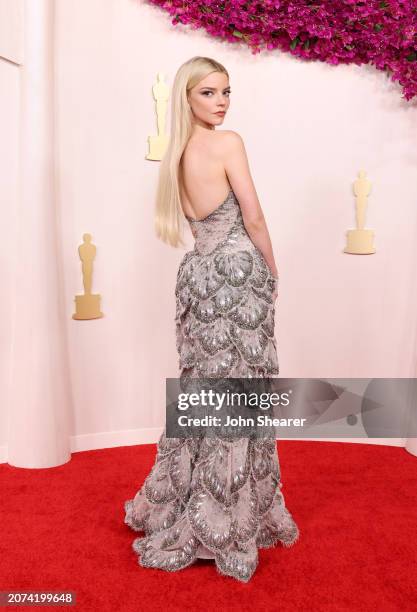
(209, 497)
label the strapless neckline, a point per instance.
(212, 212)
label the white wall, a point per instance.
(9, 130)
(308, 129)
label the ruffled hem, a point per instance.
(229, 511)
(238, 561)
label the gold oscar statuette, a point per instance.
(360, 240)
(159, 143)
(87, 306)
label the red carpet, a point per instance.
(355, 504)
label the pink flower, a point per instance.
(378, 32)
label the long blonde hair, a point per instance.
(169, 216)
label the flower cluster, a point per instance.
(381, 33)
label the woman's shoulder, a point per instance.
(229, 135)
(214, 142)
(230, 141)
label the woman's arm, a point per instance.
(237, 169)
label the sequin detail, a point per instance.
(214, 497)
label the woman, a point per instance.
(214, 498)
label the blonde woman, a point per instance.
(214, 498)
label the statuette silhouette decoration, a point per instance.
(360, 240)
(159, 143)
(87, 306)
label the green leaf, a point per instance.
(412, 57)
(237, 34)
(294, 42)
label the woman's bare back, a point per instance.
(203, 181)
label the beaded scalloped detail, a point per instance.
(213, 497)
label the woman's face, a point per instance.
(208, 97)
